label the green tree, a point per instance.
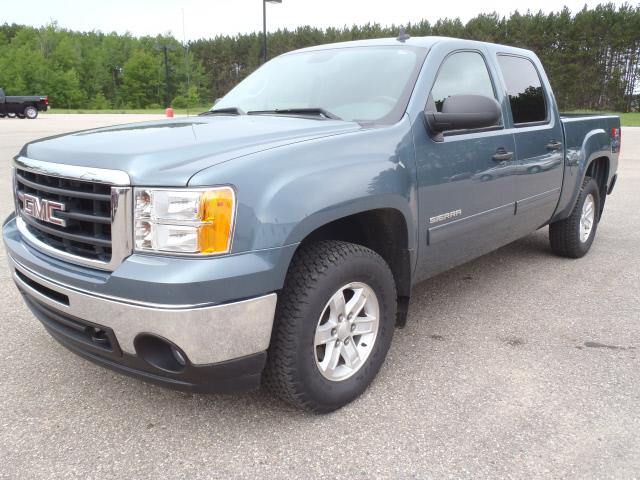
(141, 80)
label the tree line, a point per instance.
(97, 70)
(592, 58)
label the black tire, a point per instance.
(2, 115)
(31, 112)
(11, 115)
(564, 235)
(316, 272)
(21, 115)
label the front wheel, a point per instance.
(573, 236)
(334, 323)
(31, 112)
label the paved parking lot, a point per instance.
(518, 365)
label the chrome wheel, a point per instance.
(346, 331)
(31, 112)
(587, 218)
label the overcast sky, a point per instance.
(208, 18)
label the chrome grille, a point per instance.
(87, 214)
(91, 224)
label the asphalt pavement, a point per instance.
(519, 364)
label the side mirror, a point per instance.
(217, 100)
(464, 111)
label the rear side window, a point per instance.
(524, 89)
(462, 73)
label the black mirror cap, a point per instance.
(464, 112)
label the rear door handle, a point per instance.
(502, 155)
(553, 145)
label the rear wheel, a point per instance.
(573, 236)
(31, 112)
(334, 324)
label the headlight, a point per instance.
(195, 221)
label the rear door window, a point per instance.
(526, 95)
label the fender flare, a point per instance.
(578, 162)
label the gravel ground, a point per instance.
(516, 365)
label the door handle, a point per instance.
(553, 145)
(502, 155)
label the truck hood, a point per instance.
(170, 152)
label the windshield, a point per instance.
(362, 84)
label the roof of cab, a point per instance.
(420, 42)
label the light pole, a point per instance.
(264, 27)
(115, 72)
(165, 48)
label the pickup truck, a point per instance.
(275, 239)
(22, 107)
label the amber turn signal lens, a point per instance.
(216, 214)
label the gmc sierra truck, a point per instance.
(22, 107)
(275, 239)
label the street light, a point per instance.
(165, 48)
(264, 27)
(116, 71)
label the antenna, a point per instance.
(403, 36)
(186, 59)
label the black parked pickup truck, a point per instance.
(22, 107)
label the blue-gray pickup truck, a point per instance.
(275, 239)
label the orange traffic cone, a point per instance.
(169, 112)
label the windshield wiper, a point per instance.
(225, 111)
(320, 112)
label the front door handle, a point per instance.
(553, 145)
(502, 155)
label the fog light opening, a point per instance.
(160, 353)
(178, 356)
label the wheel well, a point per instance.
(599, 170)
(385, 232)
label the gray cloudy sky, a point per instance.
(207, 18)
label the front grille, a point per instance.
(87, 214)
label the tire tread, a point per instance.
(563, 234)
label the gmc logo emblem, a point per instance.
(42, 209)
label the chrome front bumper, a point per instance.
(206, 334)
